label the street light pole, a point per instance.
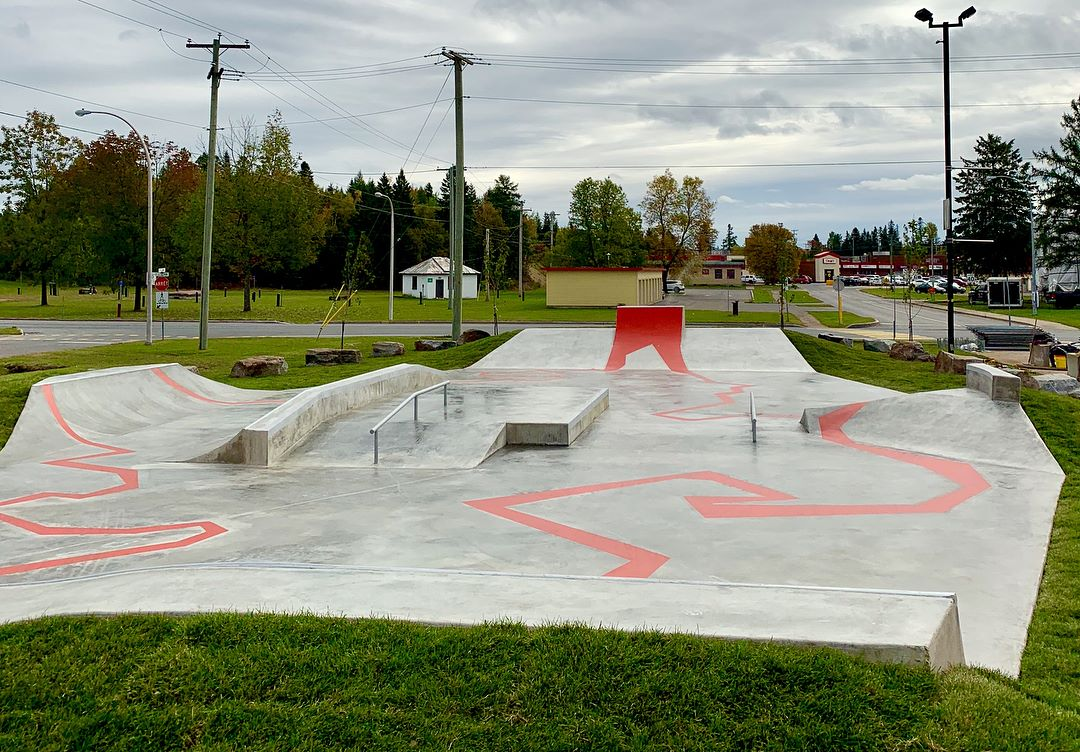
(521, 227)
(927, 17)
(392, 239)
(149, 216)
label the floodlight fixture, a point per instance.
(967, 13)
(924, 15)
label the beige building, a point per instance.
(719, 269)
(589, 287)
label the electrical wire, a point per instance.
(762, 106)
(58, 125)
(133, 20)
(722, 166)
(99, 104)
(424, 124)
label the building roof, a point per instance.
(436, 265)
(602, 269)
(826, 253)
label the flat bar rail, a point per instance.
(416, 411)
(753, 418)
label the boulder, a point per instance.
(878, 345)
(427, 345)
(259, 365)
(471, 335)
(387, 349)
(1058, 383)
(947, 362)
(328, 356)
(909, 351)
(847, 341)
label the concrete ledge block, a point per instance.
(883, 626)
(1072, 365)
(271, 437)
(993, 382)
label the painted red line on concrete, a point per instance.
(640, 562)
(968, 480)
(129, 480)
(202, 398)
(724, 399)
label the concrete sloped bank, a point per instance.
(270, 438)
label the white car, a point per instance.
(674, 286)
(752, 279)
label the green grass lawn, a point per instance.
(763, 293)
(831, 318)
(10, 330)
(312, 306)
(240, 682)
(801, 297)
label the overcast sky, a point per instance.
(700, 87)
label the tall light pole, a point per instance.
(383, 195)
(149, 217)
(928, 18)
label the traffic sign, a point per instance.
(161, 299)
(161, 284)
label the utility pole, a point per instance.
(487, 263)
(551, 230)
(208, 207)
(521, 225)
(457, 244)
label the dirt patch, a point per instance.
(28, 367)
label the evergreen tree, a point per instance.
(730, 244)
(993, 203)
(1059, 224)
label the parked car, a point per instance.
(802, 279)
(979, 294)
(873, 279)
(674, 286)
(752, 279)
(1062, 298)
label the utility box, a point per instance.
(1004, 292)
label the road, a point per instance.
(49, 336)
(927, 320)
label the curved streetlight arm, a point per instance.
(149, 215)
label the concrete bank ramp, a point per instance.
(649, 339)
(477, 422)
(113, 403)
(266, 441)
(961, 424)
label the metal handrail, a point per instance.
(753, 418)
(416, 411)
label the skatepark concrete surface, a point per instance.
(601, 476)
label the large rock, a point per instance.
(1058, 383)
(259, 365)
(387, 349)
(427, 345)
(471, 335)
(909, 351)
(947, 362)
(878, 345)
(328, 356)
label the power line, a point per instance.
(722, 166)
(773, 61)
(677, 72)
(424, 124)
(763, 106)
(98, 104)
(133, 20)
(58, 125)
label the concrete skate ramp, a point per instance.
(888, 626)
(115, 402)
(961, 424)
(649, 339)
(270, 438)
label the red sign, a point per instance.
(161, 284)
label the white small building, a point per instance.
(431, 279)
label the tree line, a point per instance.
(76, 212)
